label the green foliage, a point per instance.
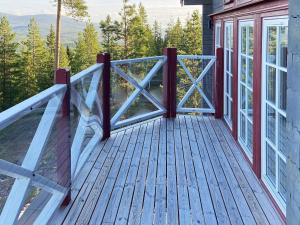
(157, 42)
(174, 36)
(111, 34)
(75, 8)
(34, 55)
(28, 68)
(140, 34)
(9, 65)
(193, 29)
(64, 59)
(86, 49)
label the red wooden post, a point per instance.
(219, 84)
(63, 144)
(257, 97)
(169, 82)
(105, 59)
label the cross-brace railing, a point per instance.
(196, 84)
(81, 105)
(140, 89)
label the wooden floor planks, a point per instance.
(187, 170)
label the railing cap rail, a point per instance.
(79, 76)
(196, 57)
(18, 111)
(136, 60)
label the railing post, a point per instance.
(105, 94)
(63, 144)
(219, 83)
(169, 82)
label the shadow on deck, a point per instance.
(183, 171)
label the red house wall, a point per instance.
(255, 10)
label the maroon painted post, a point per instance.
(219, 83)
(169, 82)
(63, 144)
(105, 59)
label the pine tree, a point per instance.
(8, 64)
(158, 43)
(140, 34)
(64, 59)
(111, 35)
(127, 14)
(174, 36)
(75, 9)
(193, 34)
(34, 55)
(86, 49)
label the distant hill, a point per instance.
(70, 26)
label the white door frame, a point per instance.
(243, 23)
(228, 95)
(275, 21)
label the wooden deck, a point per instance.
(183, 171)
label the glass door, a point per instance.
(275, 43)
(228, 72)
(245, 103)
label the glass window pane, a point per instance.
(282, 178)
(249, 136)
(282, 134)
(271, 84)
(243, 127)
(243, 98)
(243, 69)
(270, 123)
(271, 164)
(244, 39)
(250, 51)
(250, 104)
(250, 73)
(227, 60)
(282, 90)
(227, 83)
(271, 44)
(283, 46)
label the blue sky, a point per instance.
(98, 9)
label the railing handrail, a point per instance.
(20, 110)
(136, 60)
(79, 76)
(196, 57)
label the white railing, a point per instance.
(196, 84)
(84, 94)
(24, 174)
(87, 101)
(140, 89)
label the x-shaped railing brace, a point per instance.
(195, 84)
(20, 188)
(139, 89)
(87, 119)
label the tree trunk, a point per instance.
(57, 38)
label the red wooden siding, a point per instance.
(255, 10)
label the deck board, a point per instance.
(187, 170)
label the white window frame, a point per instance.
(217, 35)
(243, 143)
(275, 21)
(228, 95)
